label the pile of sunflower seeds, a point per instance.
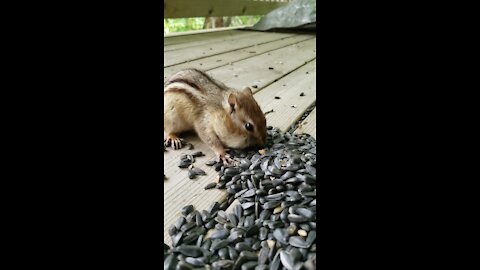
(274, 224)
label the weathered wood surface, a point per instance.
(213, 40)
(256, 71)
(188, 54)
(216, 8)
(222, 60)
(293, 58)
(290, 107)
(309, 125)
(204, 31)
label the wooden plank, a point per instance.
(195, 40)
(255, 71)
(213, 40)
(205, 31)
(289, 89)
(309, 125)
(205, 8)
(188, 54)
(168, 41)
(224, 59)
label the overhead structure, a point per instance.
(210, 8)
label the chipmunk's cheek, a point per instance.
(235, 141)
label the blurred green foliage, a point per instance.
(189, 24)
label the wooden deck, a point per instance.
(240, 58)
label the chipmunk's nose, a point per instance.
(261, 141)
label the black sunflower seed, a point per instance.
(186, 210)
(249, 255)
(305, 212)
(195, 261)
(237, 210)
(223, 253)
(198, 154)
(263, 255)
(263, 233)
(271, 205)
(297, 218)
(176, 239)
(189, 250)
(184, 163)
(297, 241)
(206, 244)
(311, 238)
(249, 265)
(170, 262)
(172, 230)
(199, 171)
(210, 185)
(213, 208)
(287, 260)
(219, 234)
(248, 193)
(218, 244)
(281, 235)
(211, 163)
(275, 264)
(225, 264)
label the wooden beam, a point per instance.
(204, 31)
(204, 8)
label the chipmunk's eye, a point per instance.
(249, 126)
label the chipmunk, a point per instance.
(221, 116)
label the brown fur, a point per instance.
(217, 113)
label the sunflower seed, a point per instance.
(248, 254)
(219, 234)
(170, 262)
(249, 265)
(190, 251)
(186, 210)
(287, 260)
(210, 185)
(195, 261)
(222, 264)
(211, 163)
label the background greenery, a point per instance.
(188, 24)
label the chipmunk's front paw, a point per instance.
(227, 160)
(173, 141)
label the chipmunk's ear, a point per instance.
(232, 102)
(248, 91)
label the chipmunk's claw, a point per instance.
(227, 160)
(173, 141)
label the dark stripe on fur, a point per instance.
(209, 78)
(191, 84)
(181, 91)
